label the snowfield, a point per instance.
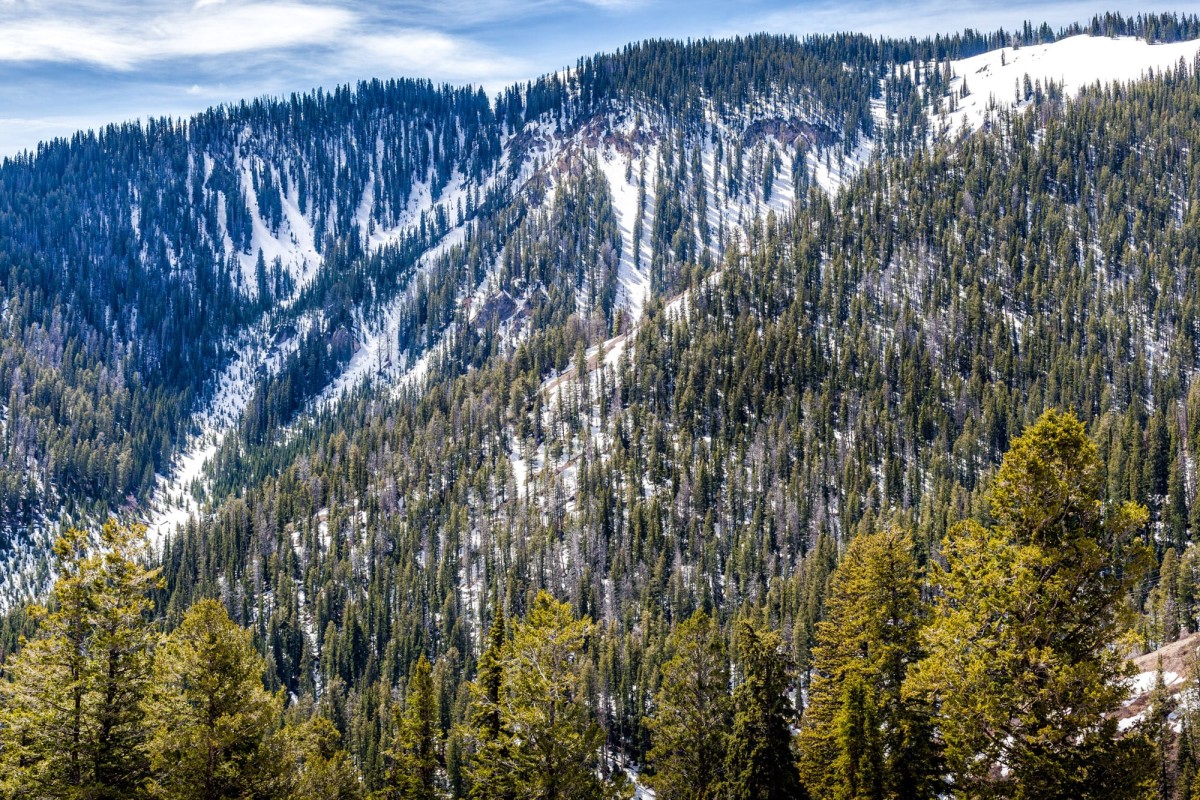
(1073, 63)
(633, 275)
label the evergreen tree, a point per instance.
(318, 768)
(864, 651)
(858, 766)
(122, 649)
(1022, 658)
(1157, 727)
(70, 719)
(691, 715)
(760, 764)
(484, 734)
(416, 753)
(212, 718)
(554, 739)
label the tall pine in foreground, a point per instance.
(213, 719)
(1023, 661)
(552, 738)
(760, 764)
(70, 717)
(690, 724)
(860, 738)
(416, 753)
(97, 705)
(484, 736)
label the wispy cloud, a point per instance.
(296, 37)
(18, 133)
(466, 14)
(82, 63)
(124, 41)
(432, 54)
(618, 5)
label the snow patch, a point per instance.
(1072, 63)
(294, 244)
(1143, 682)
(632, 273)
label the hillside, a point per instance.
(254, 232)
(684, 328)
(862, 362)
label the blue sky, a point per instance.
(71, 64)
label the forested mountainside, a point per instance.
(856, 365)
(662, 361)
(141, 258)
(135, 257)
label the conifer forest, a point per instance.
(757, 418)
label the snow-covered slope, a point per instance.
(1177, 661)
(175, 495)
(995, 78)
(626, 146)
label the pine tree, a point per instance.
(317, 767)
(864, 651)
(760, 764)
(691, 713)
(554, 738)
(1022, 658)
(858, 766)
(70, 722)
(1185, 762)
(416, 755)
(212, 718)
(484, 735)
(1157, 727)
(122, 647)
(1188, 709)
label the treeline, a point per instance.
(839, 72)
(100, 704)
(1153, 28)
(996, 672)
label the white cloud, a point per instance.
(616, 5)
(432, 54)
(311, 41)
(83, 63)
(123, 42)
(18, 133)
(461, 15)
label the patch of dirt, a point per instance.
(1177, 657)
